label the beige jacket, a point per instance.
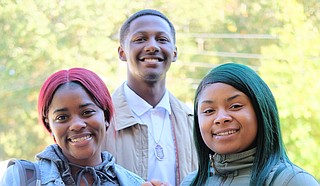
(127, 139)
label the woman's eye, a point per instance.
(88, 112)
(61, 118)
(208, 111)
(236, 106)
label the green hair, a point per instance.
(270, 148)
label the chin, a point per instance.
(225, 151)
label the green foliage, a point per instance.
(296, 59)
(277, 38)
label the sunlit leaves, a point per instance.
(292, 69)
(40, 37)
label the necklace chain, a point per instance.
(158, 149)
(154, 139)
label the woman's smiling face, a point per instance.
(227, 120)
(78, 124)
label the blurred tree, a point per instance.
(292, 70)
(41, 37)
(25, 53)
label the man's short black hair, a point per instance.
(125, 27)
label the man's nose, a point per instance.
(152, 46)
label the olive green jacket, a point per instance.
(238, 168)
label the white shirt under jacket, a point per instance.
(156, 118)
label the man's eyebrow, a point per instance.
(145, 32)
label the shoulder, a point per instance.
(11, 175)
(126, 177)
(292, 175)
(189, 179)
(179, 105)
(119, 92)
(21, 172)
(302, 178)
(49, 172)
(120, 103)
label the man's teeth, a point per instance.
(80, 139)
(226, 133)
(151, 60)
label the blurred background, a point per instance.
(277, 38)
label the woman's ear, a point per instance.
(46, 123)
(107, 124)
(53, 137)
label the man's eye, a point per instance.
(163, 39)
(140, 39)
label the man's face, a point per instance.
(148, 49)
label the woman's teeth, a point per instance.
(226, 133)
(80, 139)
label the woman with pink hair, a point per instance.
(75, 107)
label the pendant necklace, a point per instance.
(158, 149)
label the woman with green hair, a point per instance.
(237, 133)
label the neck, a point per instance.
(87, 176)
(151, 93)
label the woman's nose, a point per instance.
(77, 123)
(222, 117)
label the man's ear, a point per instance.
(122, 54)
(175, 54)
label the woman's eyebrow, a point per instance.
(86, 104)
(60, 110)
(232, 97)
(207, 101)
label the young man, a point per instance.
(152, 132)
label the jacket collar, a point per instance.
(125, 117)
(228, 163)
(60, 166)
(139, 106)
